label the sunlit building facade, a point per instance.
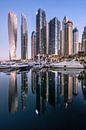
(67, 37)
(12, 34)
(24, 38)
(54, 36)
(63, 35)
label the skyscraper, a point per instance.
(84, 40)
(63, 35)
(61, 42)
(24, 38)
(41, 32)
(54, 36)
(75, 40)
(33, 45)
(67, 41)
(80, 47)
(12, 34)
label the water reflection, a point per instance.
(24, 90)
(55, 88)
(13, 97)
(45, 98)
(51, 88)
(82, 78)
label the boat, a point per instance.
(38, 66)
(4, 67)
(67, 65)
(67, 71)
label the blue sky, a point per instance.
(75, 10)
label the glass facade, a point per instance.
(67, 37)
(84, 40)
(54, 36)
(75, 41)
(24, 38)
(33, 45)
(41, 32)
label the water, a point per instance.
(46, 99)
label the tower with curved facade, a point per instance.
(12, 34)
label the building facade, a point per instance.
(33, 45)
(75, 40)
(24, 38)
(84, 40)
(41, 32)
(12, 34)
(67, 37)
(63, 35)
(54, 36)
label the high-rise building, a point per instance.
(33, 45)
(47, 37)
(67, 37)
(63, 35)
(24, 38)
(54, 36)
(80, 47)
(75, 40)
(41, 32)
(12, 34)
(61, 42)
(84, 40)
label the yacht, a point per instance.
(68, 65)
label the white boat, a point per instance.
(38, 66)
(67, 71)
(68, 65)
(4, 66)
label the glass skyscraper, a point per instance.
(54, 36)
(24, 38)
(63, 35)
(33, 45)
(67, 37)
(41, 32)
(75, 40)
(12, 34)
(84, 40)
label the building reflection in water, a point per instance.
(13, 97)
(33, 81)
(38, 94)
(40, 87)
(75, 86)
(50, 87)
(24, 90)
(53, 88)
(82, 78)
